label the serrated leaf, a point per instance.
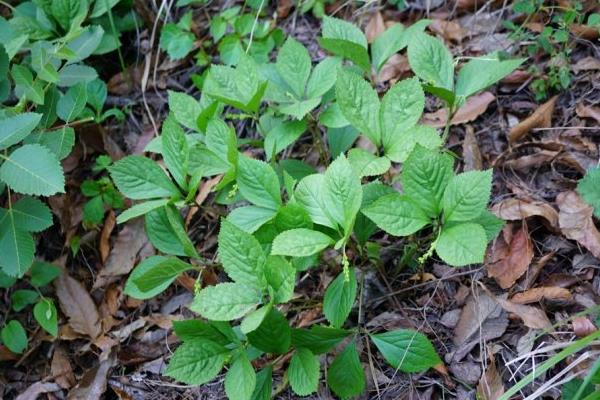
(318, 339)
(396, 214)
(72, 103)
(402, 144)
(490, 223)
(281, 278)
(367, 164)
(31, 215)
(431, 61)
(176, 41)
(303, 372)
(33, 169)
(401, 109)
(178, 227)
(14, 337)
(323, 77)
(309, 194)
(140, 178)
(294, 65)
(300, 242)
(240, 380)
(273, 335)
(264, 384)
(45, 314)
(342, 195)
(86, 43)
(299, 109)
(345, 375)
(281, 136)
(206, 162)
(175, 151)
(425, 175)
(17, 249)
(197, 361)
(258, 183)
(161, 233)
(482, 72)
(467, 195)
(185, 108)
(72, 74)
(59, 141)
(339, 298)
(225, 301)
(250, 218)
(406, 350)
(16, 128)
(149, 264)
(345, 40)
(252, 321)
(292, 216)
(24, 83)
(156, 276)
(462, 244)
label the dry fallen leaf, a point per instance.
(490, 385)
(93, 383)
(582, 326)
(576, 222)
(541, 118)
(109, 225)
(394, 67)
(375, 27)
(449, 30)
(473, 108)
(471, 153)
(284, 7)
(586, 64)
(479, 308)
(510, 256)
(514, 209)
(532, 317)
(61, 368)
(584, 111)
(539, 293)
(35, 391)
(585, 31)
(78, 305)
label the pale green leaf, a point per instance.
(156, 276)
(367, 164)
(140, 209)
(16, 128)
(462, 244)
(396, 214)
(309, 194)
(406, 350)
(294, 65)
(175, 150)
(281, 278)
(31, 215)
(185, 108)
(431, 61)
(72, 103)
(342, 195)
(140, 178)
(225, 301)
(240, 380)
(467, 195)
(401, 109)
(300, 243)
(303, 372)
(482, 72)
(323, 77)
(258, 183)
(59, 141)
(250, 218)
(402, 144)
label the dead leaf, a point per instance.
(582, 326)
(479, 308)
(541, 118)
(532, 317)
(78, 305)
(515, 209)
(510, 256)
(449, 30)
(109, 225)
(471, 153)
(584, 111)
(34, 391)
(473, 108)
(284, 7)
(490, 385)
(61, 368)
(516, 77)
(540, 293)
(375, 27)
(585, 31)
(394, 67)
(93, 383)
(203, 193)
(576, 223)
(586, 64)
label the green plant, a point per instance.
(102, 194)
(589, 189)
(176, 39)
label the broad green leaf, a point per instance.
(42, 273)
(175, 41)
(341, 139)
(281, 136)
(177, 226)
(157, 275)
(299, 109)
(31, 215)
(59, 141)
(292, 216)
(240, 380)
(364, 227)
(21, 298)
(425, 175)
(273, 335)
(318, 339)
(175, 151)
(131, 287)
(482, 72)
(342, 195)
(86, 43)
(345, 375)
(101, 7)
(431, 61)
(359, 103)
(264, 384)
(33, 169)
(67, 11)
(300, 243)
(16, 128)
(16, 246)
(41, 61)
(490, 223)
(204, 161)
(401, 109)
(241, 255)
(225, 301)
(72, 103)
(14, 337)
(161, 233)
(197, 361)
(335, 28)
(467, 195)
(396, 214)
(402, 144)
(185, 108)
(386, 44)
(367, 164)
(406, 350)
(252, 321)
(345, 40)
(281, 278)
(140, 178)
(294, 65)
(333, 117)
(339, 298)
(323, 77)
(462, 244)
(250, 218)
(589, 189)
(194, 329)
(72, 74)
(140, 209)
(45, 314)
(303, 372)
(296, 169)
(309, 194)
(221, 139)
(258, 183)
(24, 84)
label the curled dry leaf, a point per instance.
(284, 7)
(471, 153)
(540, 293)
(541, 118)
(582, 326)
(78, 306)
(93, 383)
(510, 256)
(109, 225)
(375, 27)
(576, 222)
(470, 111)
(514, 209)
(449, 30)
(490, 385)
(532, 317)
(584, 111)
(585, 31)
(586, 64)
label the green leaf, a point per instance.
(406, 350)
(258, 183)
(177, 226)
(197, 361)
(431, 61)
(335, 28)
(482, 72)
(240, 380)
(23, 78)
(401, 109)
(264, 384)
(294, 65)
(252, 321)
(14, 337)
(589, 189)
(345, 375)
(318, 339)
(323, 77)
(339, 298)
(273, 335)
(101, 7)
(367, 164)
(158, 274)
(281, 278)
(425, 175)
(16, 128)
(204, 161)
(149, 264)
(386, 44)
(59, 141)
(72, 103)
(396, 214)
(185, 108)
(345, 40)
(67, 11)
(41, 62)
(303, 372)
(225, 301)
(292, 216)
(175, 151)
(45, 314)
(17, 249)
(241, 255)
(342, 196)
(300, 242)
(175, 41)
(21, 298)
(402, 144)
(31, 215)
(161, 233)
(467, 195)
(462, 244)
(490, 223)
(33, 169)
(250, 218)
(194, 329)
(86, 43)
(309, 194)
(364, 227)
(359, 103)
(72, 74)
(93, 211)
(281, 136)
(42, 273)
(140, 178)
(140, 209)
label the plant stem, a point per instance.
(451, 112)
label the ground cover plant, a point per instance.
(297, 201)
